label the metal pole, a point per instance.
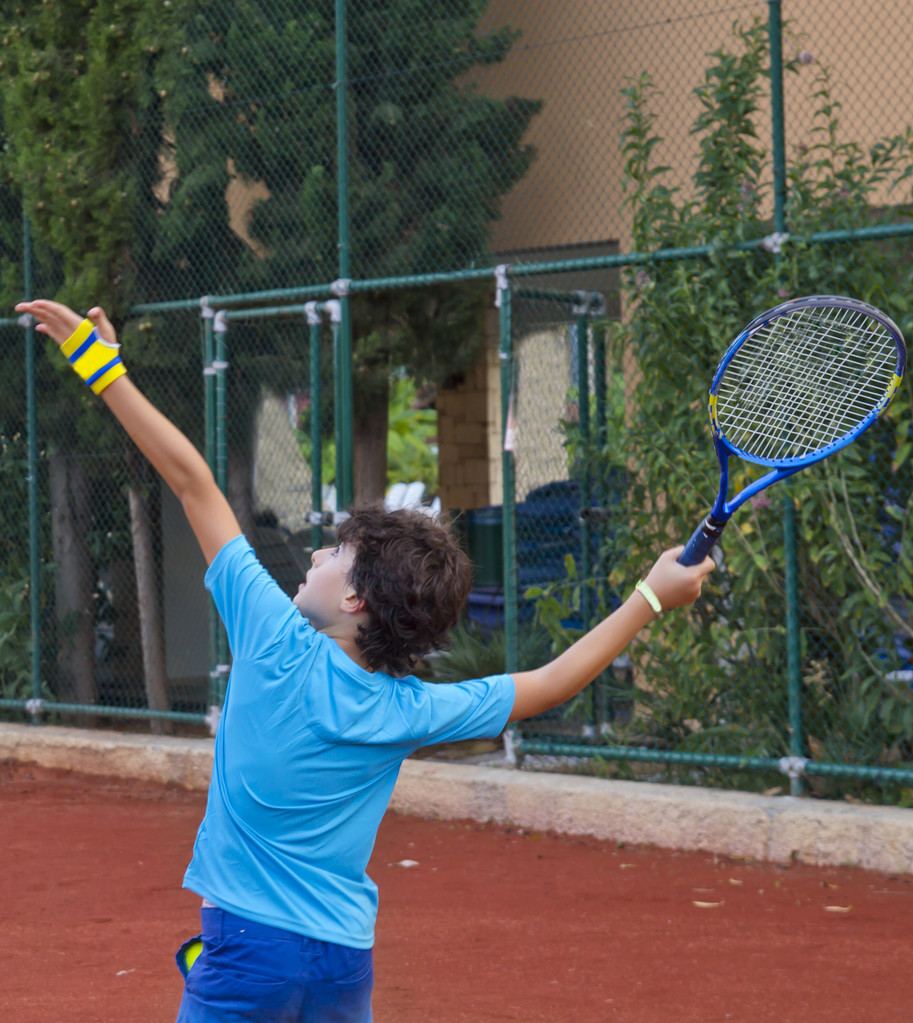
(793, 640)
(583, 466)
(209, 425)
(318, 291)
(775, 33)
(337, 414)
(220, 365)
(600, 389)
(313, 319)
(344, 410)
(217, 662)
(32, 427)
(508, 504)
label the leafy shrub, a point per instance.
(714, 679)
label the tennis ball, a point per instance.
(192, 953)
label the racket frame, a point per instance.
(710, 530)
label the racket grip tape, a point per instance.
(702, 541)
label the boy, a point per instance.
(319, 714)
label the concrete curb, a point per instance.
(778, 828)
(184, 762)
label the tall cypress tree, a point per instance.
(84, 130)
(429, 159)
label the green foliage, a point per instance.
(15, 648)
(411, 454)
(476, 653)
(85, 130)
(714, 679)
(411, 436)
(15, 627)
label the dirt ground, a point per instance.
(488, 924)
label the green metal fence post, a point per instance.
(32, 420)
(584, 462)
(600, 389)
(509, 497)
(214, 328)
(775, 34)
(345, 483)
(220, 365)
(312, 313)
(344, 410)
(793, 660)
(207, 314)
(335, 308)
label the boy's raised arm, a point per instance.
(176, 460)
(541, 689)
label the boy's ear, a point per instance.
(351, 603)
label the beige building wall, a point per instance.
(577, 56)
(469, 432)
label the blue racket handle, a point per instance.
(702, 541)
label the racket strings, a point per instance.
(804, 380)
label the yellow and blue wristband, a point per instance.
(98, 362)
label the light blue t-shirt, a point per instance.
(306, 756)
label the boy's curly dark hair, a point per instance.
(414, 579)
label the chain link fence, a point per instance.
(299, 215)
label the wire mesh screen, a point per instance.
(88, 568)
(631, 170)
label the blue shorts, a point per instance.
(248, 971)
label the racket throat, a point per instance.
(712, 528)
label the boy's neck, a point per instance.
(349, 647)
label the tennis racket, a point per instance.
(800, 382)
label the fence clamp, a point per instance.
(501, 282)
(510, 747)
(340, 287)
(773, 243)
(35, 707)
(793, 767)
(589, 303)
(206, 310)
(213, 717)
(215, 368)
(312, 314)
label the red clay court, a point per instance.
(492, 924)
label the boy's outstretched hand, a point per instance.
(59, 321)
(675, 584)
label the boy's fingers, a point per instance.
(59, 321)
(53, 318)
(98, 316)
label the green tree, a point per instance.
(86, 144)
(429, 156)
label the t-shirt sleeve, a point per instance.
(477, 709)
(253, 607)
